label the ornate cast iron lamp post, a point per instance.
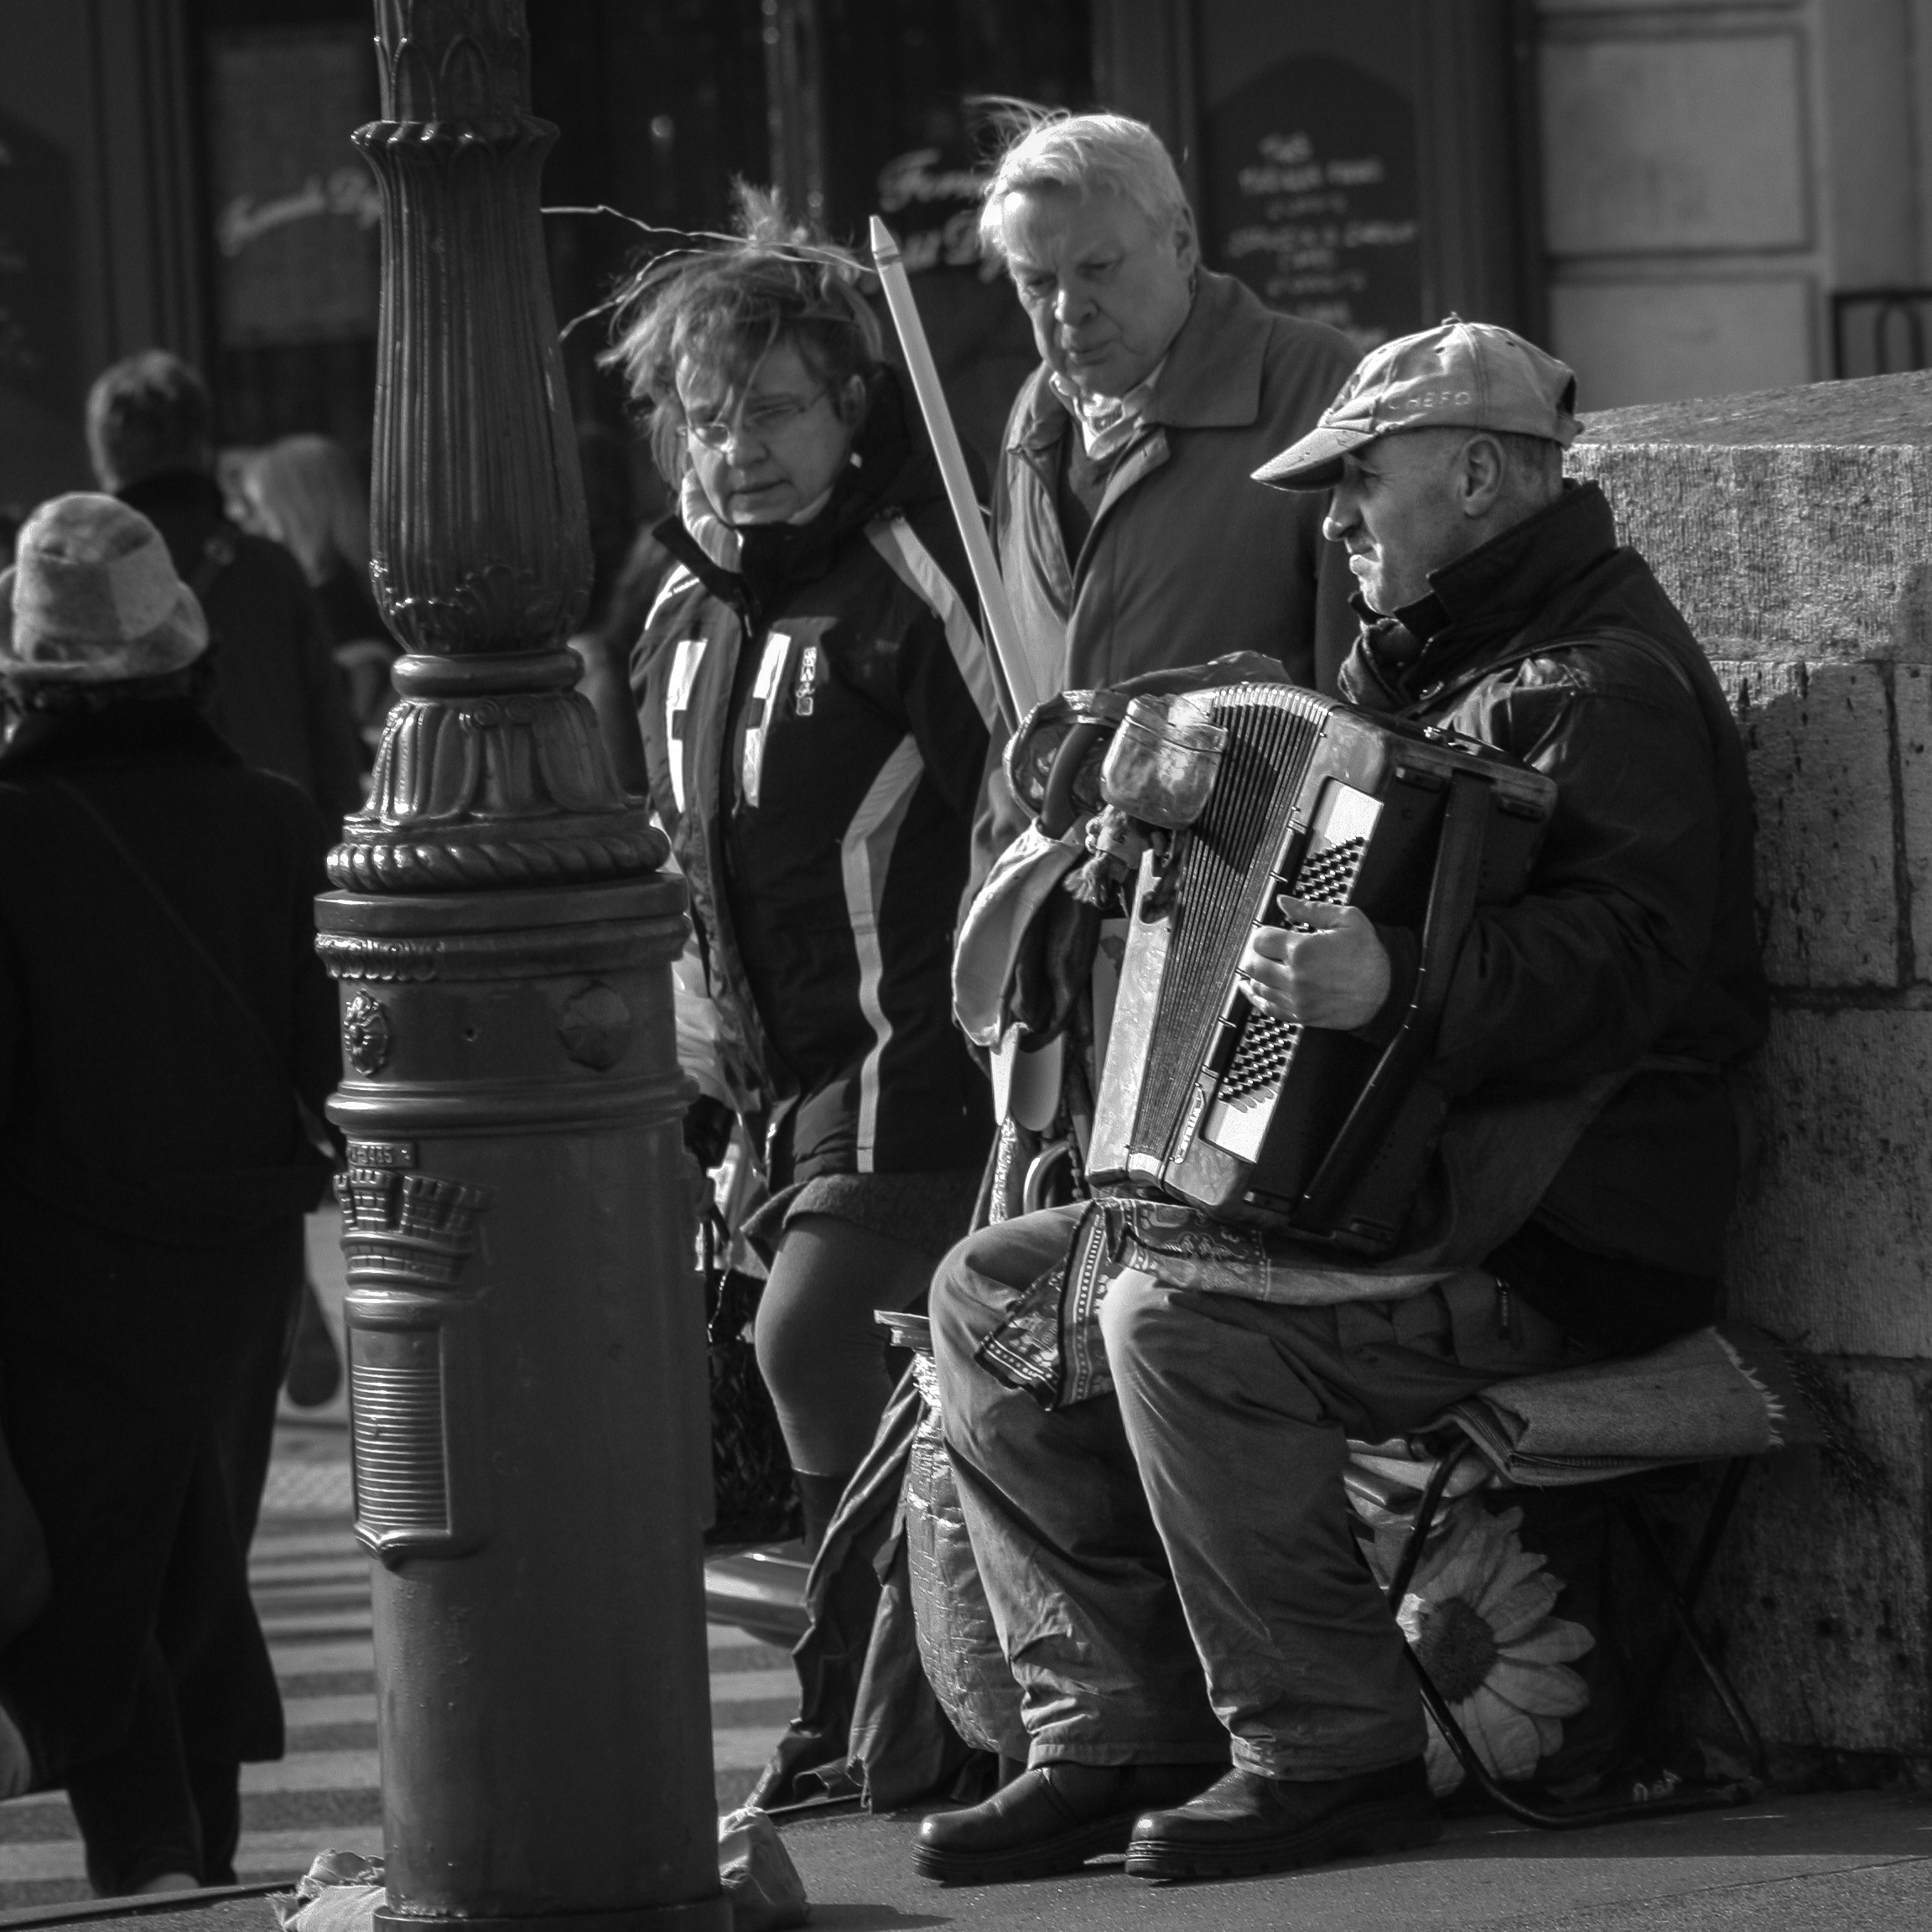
(526, 1353)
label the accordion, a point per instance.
(1264, 789)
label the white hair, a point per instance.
(1083, 154)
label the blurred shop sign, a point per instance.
(296, 213)
(1313, 197)
(37, 311)
(931, 201)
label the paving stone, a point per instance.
(1832, 1243)
(1821, 1588)
(1818, 741)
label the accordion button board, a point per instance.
(1206, 1099)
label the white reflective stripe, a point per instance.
(917, 567)
(680, 579)
(865, 855)
(677, 704)
(764, 696)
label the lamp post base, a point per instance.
(699, 1915)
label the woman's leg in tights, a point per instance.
(823, 1356)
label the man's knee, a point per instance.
(1141, 1325)
(963, 1304)
(1182, 1353)
(975, 1289)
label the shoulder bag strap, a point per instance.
(313, 1129)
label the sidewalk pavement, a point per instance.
(311, 1585)
(1835, 1862)
(1858, 1861)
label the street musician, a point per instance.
(1211, 1680)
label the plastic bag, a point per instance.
(339, 1893)
(761, 1881)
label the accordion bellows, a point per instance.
(1204, 1098)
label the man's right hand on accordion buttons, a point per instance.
(1326, 968)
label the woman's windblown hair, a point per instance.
(722, 310)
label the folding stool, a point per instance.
(1441, 1462)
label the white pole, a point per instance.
(1012, 667)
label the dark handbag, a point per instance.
(751, 1472)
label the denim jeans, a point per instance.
(1171, 1567)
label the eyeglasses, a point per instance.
(763, 420)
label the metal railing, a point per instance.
(1880, 331)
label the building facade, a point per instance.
(1681, 197)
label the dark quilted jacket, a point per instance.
(1636, 946)
(815, 726)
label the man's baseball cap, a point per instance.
(1459, 375)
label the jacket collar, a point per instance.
(895, 469)
(1484, 600)
(171, 492)
(1530, 562)
(169, 730)
(1211, 379)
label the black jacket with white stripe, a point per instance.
(815, 714)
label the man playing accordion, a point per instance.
(1211, 1679)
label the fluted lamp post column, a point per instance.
(525, 1345)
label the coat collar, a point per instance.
(168, 731)
(173, 493)
(1522, 570)
(1211, 379)
(1485, 598)
(894, 471)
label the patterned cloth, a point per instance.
(1714, 1394)
(1490, 1167)
(1107, 423)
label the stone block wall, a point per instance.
(1795, 531)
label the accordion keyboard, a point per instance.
(1254, 1079)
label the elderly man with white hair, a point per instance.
(1132, 537)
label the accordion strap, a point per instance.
(1452, 906)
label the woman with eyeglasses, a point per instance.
(814, 704)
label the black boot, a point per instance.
(1249, 1823)
(818, 1497)
(1053, 1818)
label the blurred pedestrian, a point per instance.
(167, 1038)
(605, 645)
(304, 492)
(807, 696)
(277, 696)
(231, 462)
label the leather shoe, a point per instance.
(1248, 1823)
(1053, 1818)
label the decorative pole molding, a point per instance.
(491, 771)
(527, 1388)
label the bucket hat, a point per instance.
(91, 598)
(1458, 375)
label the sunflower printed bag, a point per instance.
(1506, 1612)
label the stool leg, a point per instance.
(1681, 1599)
(1426, 1510)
